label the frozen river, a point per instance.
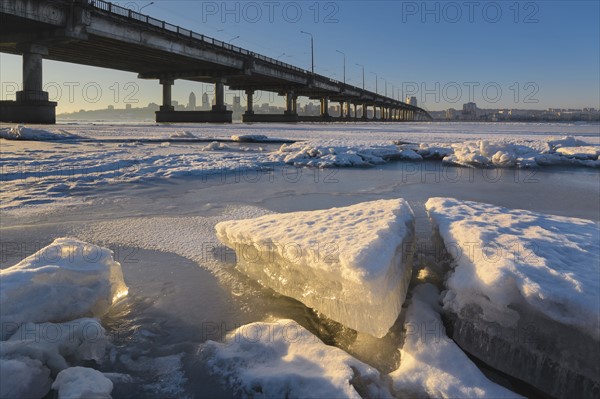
(183, 286)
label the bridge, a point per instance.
(101, 34)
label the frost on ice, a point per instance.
(20, 132)
(66, 280)
(63, 281)
(523, 282)
(82, 383)
(284, 360)
(432, 364)
(347, 263)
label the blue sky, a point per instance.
(497, 53)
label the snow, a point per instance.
(43, 350)
(506, 256)
(249, 138)
(282, 359)
(347, 263)
(581, 152)
(23, 377)
(432, 364)
(66, 280)
(42, 175)
(82, 383)
(183, 135)
(20, 132)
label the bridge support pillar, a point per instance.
(325, 107)
(31, 105)
(355, 111)
(219, 97)
(364, 111)
(291, 103)
(249, 102)
(166, 96)
(167, 113)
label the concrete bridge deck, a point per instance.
(101, 34)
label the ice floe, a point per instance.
(282, 359)
(523, 282)
(347, 263)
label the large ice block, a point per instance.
(281, 359)
(347, 263)
(66, 280)
(523, 292)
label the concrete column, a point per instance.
(355, 110)
(295, 104)
(166, 102)
(219, 97)
(290, 102)
(364, 111)
(325, 107)
(249, 102)
(33, 74)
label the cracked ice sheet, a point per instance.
(505, 256)
(431, 363)
(281, 359)
(38, 176)
(347, 263)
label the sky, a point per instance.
(499, 54)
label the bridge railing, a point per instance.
(120, 11)
(131, 14)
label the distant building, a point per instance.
(451, 114)
(469, 111)
(192, 102)
(237, 104)
(127, 106)
(205, 102)
(411, 100)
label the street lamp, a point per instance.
(232, 39)
(147, 5)
(385, 80)
(363, 71)
(376, 81)
(312, 50)
(344, 54)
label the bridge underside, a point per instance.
(107, 36)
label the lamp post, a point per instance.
(147, 5)
(385, 80)
(344, 54)
(233, 38)
(363, 74)
(376, 81)
(312, 51)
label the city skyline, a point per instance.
(500, 55)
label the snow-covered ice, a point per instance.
(37, 352)
(521, 282)
(551, 262)
(82, 383)
(42, 173)
(21, 132)
(347, 263)
(432, 364)
(281, 359)
(66, 280)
